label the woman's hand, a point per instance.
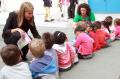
(74, 25)
(19, 30)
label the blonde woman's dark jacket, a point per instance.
(11, 23)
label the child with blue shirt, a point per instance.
(49, 41)
(43, 65)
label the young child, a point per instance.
(49, 41)
(84, 24)
(14, 68)
(117, 28)
(106, 28)
(66, 53)
(92, 33)
(83, 44)
(43, 65)
(107, 23)
(103, 36)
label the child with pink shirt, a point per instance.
(83, 44)
(117, 28)
(67, 56)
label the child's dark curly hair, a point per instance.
(79, 29)
(109, 20)
(98, 24)
(48, 38)
(93, 27)
(59, 37)
(106, 25)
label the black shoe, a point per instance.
(62, 15)
(52, 20)
(47, 21)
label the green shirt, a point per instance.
(78, 18)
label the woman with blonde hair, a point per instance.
(18, 24)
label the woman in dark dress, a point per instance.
(19, 23)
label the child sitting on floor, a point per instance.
(83, 44)
(103, 36)
(66, 53)
(109, 22)
(14, 67)
(117, 27)
(49, 41)
(92, 34)
(43, 66)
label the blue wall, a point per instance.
(105, 6)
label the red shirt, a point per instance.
(96, 45)
(102, 36)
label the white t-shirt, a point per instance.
(18, 71)
(112, 35)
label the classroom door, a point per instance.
(105, 6)
(113, 6)
(97, 5)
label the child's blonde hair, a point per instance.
(37, 47)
